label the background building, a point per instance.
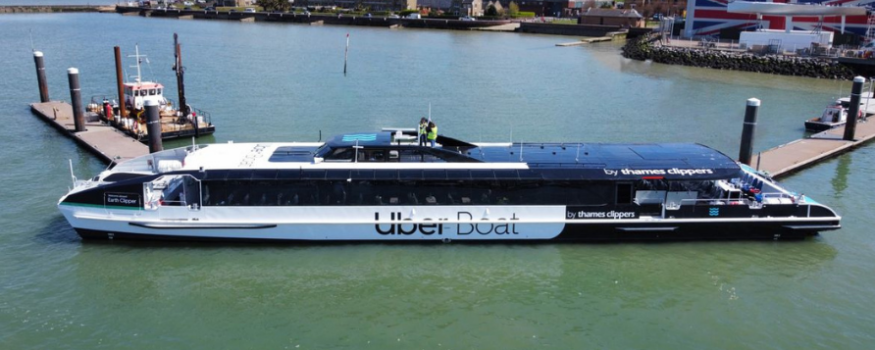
(709, 18)
(473, 8)
(612, 17)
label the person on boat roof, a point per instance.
(423, 124)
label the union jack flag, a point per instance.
(709, 17)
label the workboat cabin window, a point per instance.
(152, 92)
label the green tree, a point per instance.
(275, 5)
(513, 10)
(491, 11)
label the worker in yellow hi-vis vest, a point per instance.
(432, 133)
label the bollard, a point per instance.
(76, 97)
(41, 76)
(153, 126)
(747, 133)
(119, 77)
(854, 110)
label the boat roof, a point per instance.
(594, 161)
(144, 85)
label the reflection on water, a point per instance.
(840, 180)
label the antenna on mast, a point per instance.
(137, 55)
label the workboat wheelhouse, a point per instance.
(384, 187)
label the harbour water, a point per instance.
(284, 82)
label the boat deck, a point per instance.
(796, 155)
(107, 143)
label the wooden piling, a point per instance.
(76, 97)
(119, 77)
(41, 76)
(180, 83)
(747, 134)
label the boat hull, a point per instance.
(447, 224)
(818, 126)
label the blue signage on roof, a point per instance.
(359, 137)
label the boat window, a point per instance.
(412, 155)
(136, 93)
(152, 92)
(340, 154)
(371, 191)
(376, 155)
(159, 91)
(624, 193)
(121, 177)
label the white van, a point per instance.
(414, 16)
(249, 10)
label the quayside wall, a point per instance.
(313, 19)
(643, 48)
(55, 8)
(567, 29)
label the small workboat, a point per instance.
(176, 121)
(833, 116)
(836, 114)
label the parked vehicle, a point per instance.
(249, 10)
(414, 16)
(467, 18)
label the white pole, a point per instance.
(346, 54)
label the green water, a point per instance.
(285, 82)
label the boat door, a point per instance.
(174, 197)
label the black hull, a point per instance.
(818, 126)
(593, 233)
(204, 131)
(170, 135)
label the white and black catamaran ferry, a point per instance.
(381, 187)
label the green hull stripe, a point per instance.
(113, 207)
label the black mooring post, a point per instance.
(76, 97)
(854, 110)
(747, 133)
(41, 76)
(153, 126)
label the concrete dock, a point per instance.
(586, 41)
(106, 142)
(799, 154)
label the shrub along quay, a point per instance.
(643, 48)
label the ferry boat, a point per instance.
(174, 122)
(382, 186)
